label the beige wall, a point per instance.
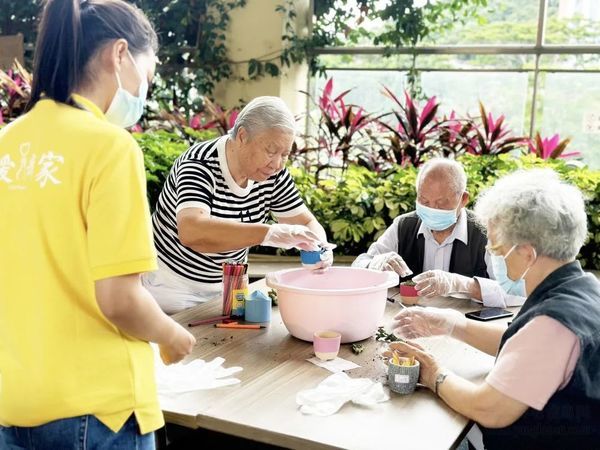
(11, 48)
(255, 32)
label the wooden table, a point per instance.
(263, 407)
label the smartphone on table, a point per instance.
(486, 314)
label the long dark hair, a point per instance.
(72, 31)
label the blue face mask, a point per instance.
(436, 219)
(510, 286)
(126, 109)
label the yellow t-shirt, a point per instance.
(73, 210)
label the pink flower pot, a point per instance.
(409, 295)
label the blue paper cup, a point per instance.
(310, 258)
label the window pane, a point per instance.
(573, 22)
(502, 93)
(366, 87)
(570, 107)
(590, 61)
(503, 22)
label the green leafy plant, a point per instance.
(384, 336)
(161, 149)
(357, 349)
(273, 296)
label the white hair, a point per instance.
(454, 171)
(535, 207)
(264, 113)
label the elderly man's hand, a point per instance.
(390, 261)
(435, 283)
(419, 322)
(429, 366)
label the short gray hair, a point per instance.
(453, 170)
(264, 113)
(535, 207)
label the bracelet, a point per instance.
(439, 380)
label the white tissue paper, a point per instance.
(194, 376)
(337, 389)
(334, 365)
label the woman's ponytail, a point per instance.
(56, 67)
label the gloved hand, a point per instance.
(391, 261)
(415, 322)
(326, 258)
(289, 236)
(439, 283)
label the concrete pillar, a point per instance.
(255, 32)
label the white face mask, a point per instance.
(126, 109)
(437, 219)
(513, 287)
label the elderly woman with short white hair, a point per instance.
(544, 389)
(217, 200)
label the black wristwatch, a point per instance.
(439, 380)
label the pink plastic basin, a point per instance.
(348, 300)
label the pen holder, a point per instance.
(235, 290)
(258, 308)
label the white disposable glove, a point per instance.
(192, 376)
(337, 389)
(390, 261)
(439, 283)
(326, 258)
(291, 236)
(415, 322)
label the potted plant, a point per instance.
(408, 292)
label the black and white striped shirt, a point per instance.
(200, 178)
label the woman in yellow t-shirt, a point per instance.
(76, 368)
